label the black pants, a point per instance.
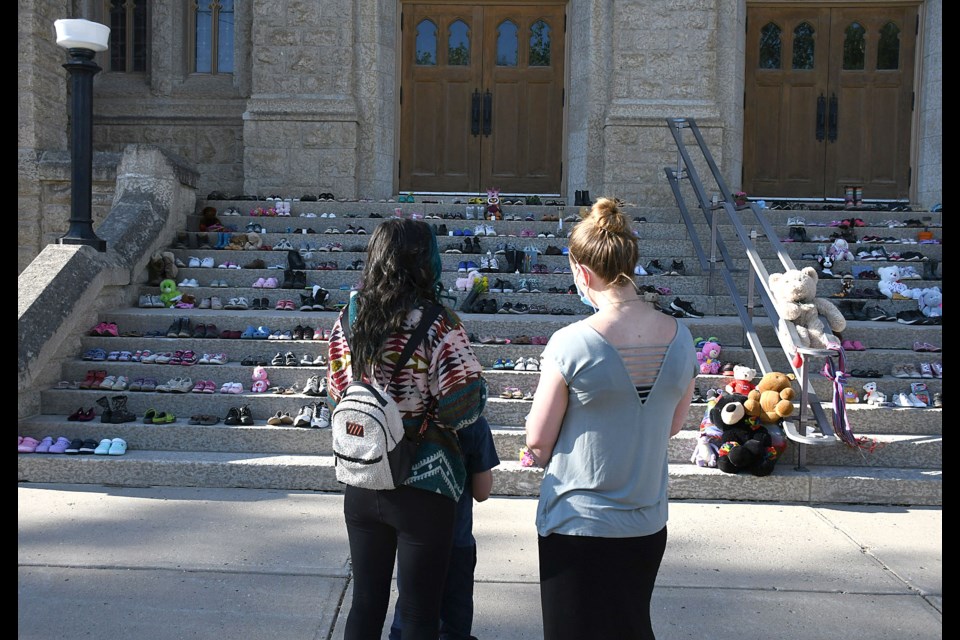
(456, 612)
(413, 527)
(598, 587)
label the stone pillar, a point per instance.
(929, 173)
(41, 113)
(301, 124)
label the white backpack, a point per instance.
(370, 447)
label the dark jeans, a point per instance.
(456, 612)
(413, 527)
(598, 587)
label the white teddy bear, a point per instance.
(891, 286)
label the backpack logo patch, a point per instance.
(354, 429)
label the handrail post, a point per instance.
(713, 246)
(751, 285)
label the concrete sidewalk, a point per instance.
(166, 563)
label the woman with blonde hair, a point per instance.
(613, 389)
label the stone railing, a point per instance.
(63, 291)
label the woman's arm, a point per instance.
(682, 411)
(546, 415)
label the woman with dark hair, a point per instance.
(613, 389)
(442, 384)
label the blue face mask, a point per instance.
(583, 296)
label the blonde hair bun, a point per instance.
(606, 215)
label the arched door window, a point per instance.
(888, 49)
(854, 47)
(770, 47)
(458, 44)
(507, 45)
(426, 43)
(539, 44)
(803, 46)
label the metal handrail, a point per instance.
(720, 262)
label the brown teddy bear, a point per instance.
(237, 242)
(209, 220)
(795, 296)
(772, 399)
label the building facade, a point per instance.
(370, 98)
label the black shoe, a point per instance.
(186, 328)
(306, 304)
(299, 280)
(442, 230)
(320, 297)
(911, 317)
(677, 268)
(216, 195)
(585, 197)
(654, 268)
(295, 260)
(233, 416)
(174, 330)
(685, 308)
(246, 418)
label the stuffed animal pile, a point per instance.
(795, 296)
(746, 444)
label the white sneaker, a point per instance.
(901, 400)
(193, 263)
(207, 263)
(640, 271)
(489, 230)
(305, 417)
(321, 418)
(917, 402)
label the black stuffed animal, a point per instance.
(745, 443)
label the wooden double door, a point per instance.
(481, 97)
(828, 100)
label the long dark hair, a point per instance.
(400, 275)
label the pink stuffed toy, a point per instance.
(709, 358)
(260, 381)
(493, 205)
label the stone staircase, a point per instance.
(901, 462)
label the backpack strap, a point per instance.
(416, 338)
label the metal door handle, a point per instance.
(832, 127)
(821, 117)
(475, 113)
(487, 112)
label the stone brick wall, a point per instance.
(312, 104)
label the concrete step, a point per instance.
(58, 404)
(138, 468)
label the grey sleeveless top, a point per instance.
(608, 474)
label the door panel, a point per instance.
(780, 107)
(437, 150)
(873, 137)
(859, 72)
(523, 152)
(520, 151)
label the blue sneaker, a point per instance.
(249, 332)
(261, 333)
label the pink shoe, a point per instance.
(28, 445)
(209, 386)
(858, 346)
(848, 346)
(270, 283)
(259, 283)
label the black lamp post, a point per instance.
(82, 39)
